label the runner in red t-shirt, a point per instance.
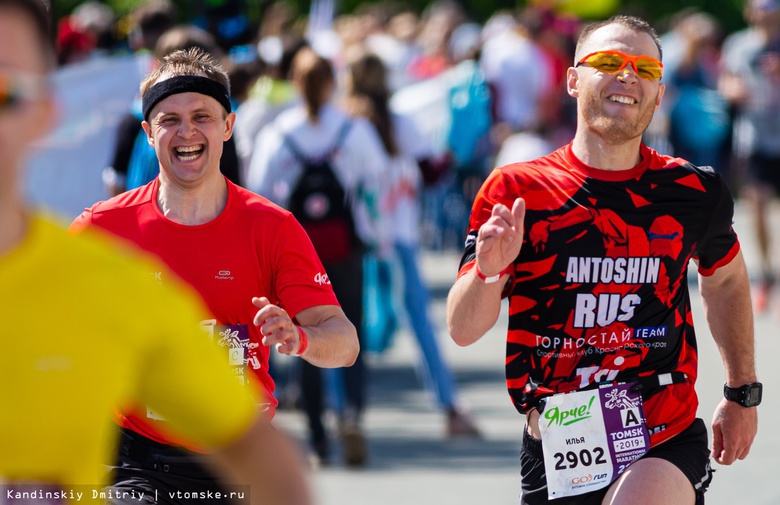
(591, 244)
(249, 259)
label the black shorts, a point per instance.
(150, 473)
(688, 451)
(764, 171)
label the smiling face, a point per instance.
(615, 107)
(187, 131)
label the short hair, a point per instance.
(632, 22)
(193, 61)
(38, 11)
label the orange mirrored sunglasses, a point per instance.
(612, 62)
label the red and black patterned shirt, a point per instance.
(599, 292)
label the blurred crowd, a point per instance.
(437, 101)
(495, 91)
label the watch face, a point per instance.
(753, 396)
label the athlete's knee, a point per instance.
(651, 481)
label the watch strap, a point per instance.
(748, 395)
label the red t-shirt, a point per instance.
(599, 292)
(253, 248)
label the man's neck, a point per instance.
(598, 153)
(194, 205)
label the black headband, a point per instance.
(185, 84)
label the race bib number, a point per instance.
(590, 437)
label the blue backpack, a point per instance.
(469, 104)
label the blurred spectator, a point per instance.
(396, 45)
(74, 43)
(469, 149)
(243, 75)
(469, 104)
(367, 95)
(751, 82)
(555, 34)
(185, 37)
(315, 129)
(699, 119)
(278, 39)
(271, 93)
(278, 19)
(225, 20)
(520, 74)
(439, 20)
(99, 20)
(352, 33)
(149, 21)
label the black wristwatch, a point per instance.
(748, 395)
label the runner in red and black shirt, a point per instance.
(600, 290)
(591, 244)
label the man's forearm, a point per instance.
(730, 317)
(472, 308)
(332, 343)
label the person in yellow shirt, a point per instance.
(87, 330)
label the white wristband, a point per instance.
(485, 279)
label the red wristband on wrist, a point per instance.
(303, 341)
(493, 278)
